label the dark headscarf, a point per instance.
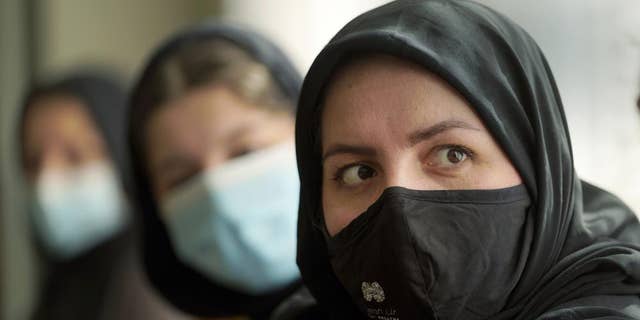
(582, 241)
(185, 287)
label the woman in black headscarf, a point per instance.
(437, 178)
(211, 137)
(72, 152)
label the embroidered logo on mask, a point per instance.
(372, 291)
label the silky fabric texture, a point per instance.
(429, 254)
(236, 223)
(183, 286)
(578, 240)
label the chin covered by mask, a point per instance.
(75, 210)
(418, 254)
(467, 254)
(236, 223)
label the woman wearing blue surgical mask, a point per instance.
(72, 153)
(211, 132)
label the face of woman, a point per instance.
(60, 134)
(205, 128)
(388, 122)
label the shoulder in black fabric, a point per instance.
(578, 241)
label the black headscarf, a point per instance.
(185, 287)
(583, 241)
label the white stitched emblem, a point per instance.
(372, 291)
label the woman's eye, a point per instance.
(175, 181)
(240, 152)
(356, 174)
(450, 156)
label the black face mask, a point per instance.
(434, 254)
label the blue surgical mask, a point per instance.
(236, 223)
(74, 210)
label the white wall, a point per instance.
(301, 28)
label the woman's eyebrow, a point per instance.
(436, 129)
(348, 149)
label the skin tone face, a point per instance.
(388, 122)
(60, 134)
(203, 129)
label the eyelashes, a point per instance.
(449, 156)
(354, 174)
(445, 159)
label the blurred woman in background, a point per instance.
(211, 133)
(72, 152)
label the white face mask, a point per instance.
(237, 222)
(77, 209)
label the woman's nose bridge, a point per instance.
(407, 173)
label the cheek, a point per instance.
(500, 172)
(497, 173)
(340, 208)
(506, 175)
(337, 213)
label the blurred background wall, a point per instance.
(593, 47)
(119, 33)
(16, 272)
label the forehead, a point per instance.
(205, 118)
(59, 105)
(209, 110)
(380, 97)
(57, 114)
